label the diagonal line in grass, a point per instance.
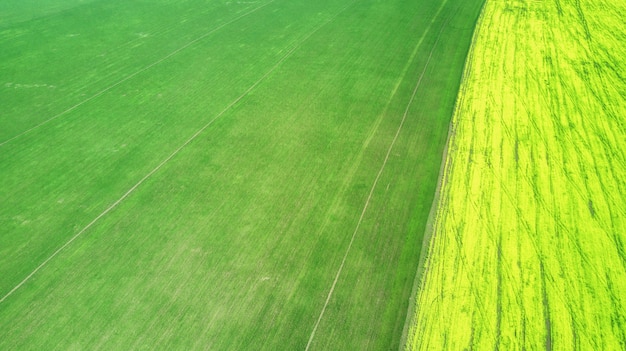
(175, 152)
(96, 95)
(380, 171)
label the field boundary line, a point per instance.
(132, 75)
(380, 172)
(174, 153)
(432, 222)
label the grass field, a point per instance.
(219, 174)
(529, 242)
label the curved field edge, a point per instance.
(429, 225)
(528, 249)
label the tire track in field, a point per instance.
(287, 55)
(382, 168)
(580, 138)
(612, 235)
(564, 307)
(132, 75)
(429, 245)
(372, 131)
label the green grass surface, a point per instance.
(122, 227)
(529, 247)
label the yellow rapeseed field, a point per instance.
(528, 247)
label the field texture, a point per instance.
(219, 174)
(529, 245)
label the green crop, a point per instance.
(217, 174)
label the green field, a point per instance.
(219, 174)
(529, 239)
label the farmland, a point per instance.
(220, 174)
(528, 247)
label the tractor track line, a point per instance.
(373, 188)
(289, 53)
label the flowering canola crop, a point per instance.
(528, 247)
